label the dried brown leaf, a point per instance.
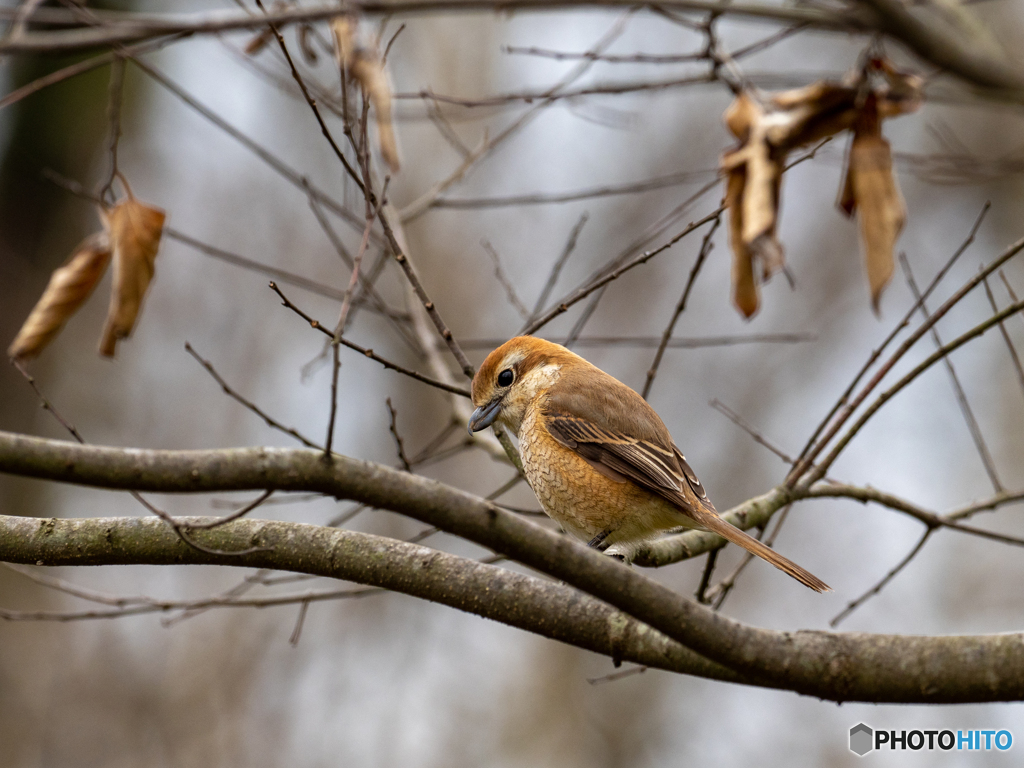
(903, 94)
(368, 70)
(771, 125)
(343, 28)
(870, 190)
(69, 287)
(879, 205)
(744, 285)
(761, 203)
(828, 109)
(742, 114)
(134, 230)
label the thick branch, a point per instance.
(836, 666)
(546, 608)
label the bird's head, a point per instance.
(511, 377)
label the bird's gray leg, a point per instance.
(598, 541)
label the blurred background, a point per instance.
(387, 680)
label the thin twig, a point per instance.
(650, 234)
(115, 96)
(311, 101)
(316, 324)
(855, 604)
(161, 606)
(595, 285)
(233, 516)
(510, 291)
(740, 422)
(1014, 357)
(614, 676)
(421, 293)
(705, 579)
(666, 336)
(270, 421)
(556, 270)
(1009, 288)
(368, 291)
(844, 407)
(612, 190)
(961, 396)
(179, 528)
(946, 349)
(393, 426)
(300, 621)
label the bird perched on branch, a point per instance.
(600, 460)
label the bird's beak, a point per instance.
(484, 416)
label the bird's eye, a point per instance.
(506, 377)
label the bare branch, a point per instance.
(1014, 357)
(556, 269)
(316, 324)
(499, 272)
(547, 608)
(939, 354)
(877, 588)
(398, 438)
(813, 445)
(666, 336)
(125, 28)
(961, 396)
(226, 388)
(599, 283)
(838, 666)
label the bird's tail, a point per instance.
(716, 524)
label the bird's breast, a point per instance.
(581, 499)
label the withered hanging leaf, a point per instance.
(752, 196)
(69, 287)
(741, 115)
(368, 70)
(344, 30)
(744, 286)
(134, 231)
(870, 190)
(761, 206)
(770, 127)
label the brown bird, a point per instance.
(600, 460)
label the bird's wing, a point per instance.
(662, 470)
(658, 468)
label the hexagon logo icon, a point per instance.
(861, 738)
